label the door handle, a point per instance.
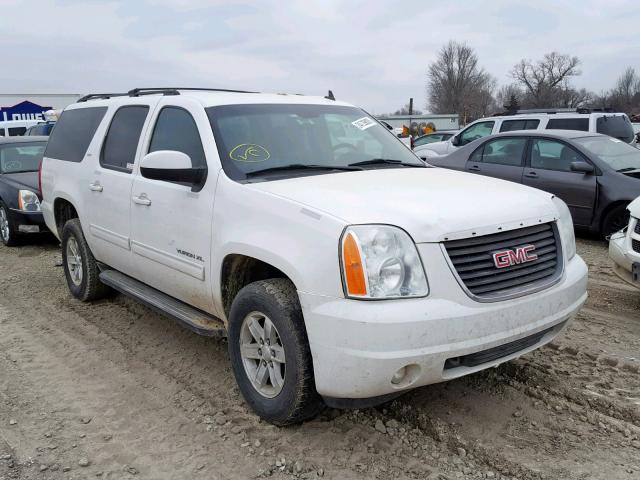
(141, 200)
(95, 187)
(531, 175)
(474, 168)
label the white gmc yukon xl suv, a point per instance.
(342, 269)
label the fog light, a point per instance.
(399, 376)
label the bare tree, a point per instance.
(625, 96)
(457, 84)
(546, 81)
(510, 97)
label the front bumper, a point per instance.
(622, 254)
(358, 346)
(28, 222)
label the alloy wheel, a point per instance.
(74, 261)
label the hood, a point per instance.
(431, 204)
(23, 181)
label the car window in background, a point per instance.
(504, 151)
(553, 155)
(175, 129)
(16, 131)
(617, 154)
(256, 137)
(426, 139)
(511, 125)
(73, 133)
(474, 132)
(121, 142)
(581, 124)
(617, 126)
(1, 132)
(21, 157)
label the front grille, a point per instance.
(635, 244)
(486, 356)
(473, 261)
(637, 229)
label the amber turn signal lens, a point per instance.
(353, 269)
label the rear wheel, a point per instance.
(270, 352)
(7, 228)
(615, 220)
(80, 267)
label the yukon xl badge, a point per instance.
(508, 258)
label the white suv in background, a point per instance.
(340, 266)
(624, 248)
(615, 125)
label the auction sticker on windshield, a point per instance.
(363, 123)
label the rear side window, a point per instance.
(73, 133)
(581, 124)
(176, 130)
(504, 151)
(120, 145)
(617, 126)
(511, 125)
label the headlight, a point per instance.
(380, 261)
(565, 228)
(28, 201)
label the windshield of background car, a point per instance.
(255, 137)
(21, 157)
(617, 126)
(616, 153)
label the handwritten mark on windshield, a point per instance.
(249, 152)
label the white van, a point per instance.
(616, 125)
(15, 128)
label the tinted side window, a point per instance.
(2, 132)
(476, 131)
(176, 129)
(17, 131)
(73, 133)
(504, 151)
(511, 125)
(120, 145)
(581, 124)
(617, 126)
(552, 155)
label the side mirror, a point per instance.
(582, 167)
(171, 166)
(455, 140)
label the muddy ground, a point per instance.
(111, 390)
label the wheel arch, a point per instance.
(608, 209)
(63, 211)
(238, 270)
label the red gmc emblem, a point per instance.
(507, 258)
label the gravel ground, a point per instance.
(111, 390)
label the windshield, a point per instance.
(21, 157)
(616, 153)
(617, 126)
(268, 137)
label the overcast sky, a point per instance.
(371, 53)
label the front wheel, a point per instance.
(270, 353)
(7, 229)
(80, 267)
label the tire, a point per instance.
(275, 300)
(616, 219)
(8, 233)
(75, 251)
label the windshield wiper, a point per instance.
(302, 166)
(386, 161)
(628, 169)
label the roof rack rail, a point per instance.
(101, 96)
(136, 92)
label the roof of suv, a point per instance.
(213, 97)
